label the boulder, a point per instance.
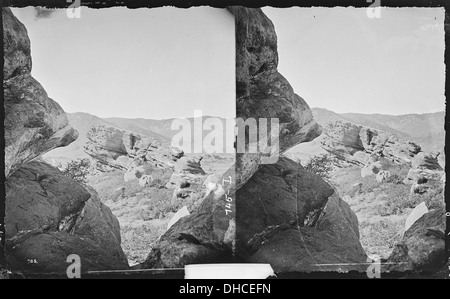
(383, 176)
(283, 206)
(319, 248)
(278, 194)
(342, 138)
(34, 123)
(177, 153)
(353, 143)
(124, 150)
(188, 171)
(204, 236)
(108, 139)
(426, 161)
(16, 46)
(262, 92)
(422, 247)
(50, 216)
(145, 180)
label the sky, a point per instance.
(167, 62)
(344, 61)
(135, 63)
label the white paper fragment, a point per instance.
(228, 271)
(415, 215)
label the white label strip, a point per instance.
(228, 271)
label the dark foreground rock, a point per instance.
(285, 216)
(293, 220)
(34, 123)
(50, 216)
(422, 248)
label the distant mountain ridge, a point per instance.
(427, 130)
(82, 122)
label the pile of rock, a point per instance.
(425, 169)
(136, 154)
(356, 144)
(422, 247)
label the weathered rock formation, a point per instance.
(119, 148)
(187, 172)
(423, 245)
(207, 235)
(34, 123)
(425, 168)
(262, 92)
(48, 216)
(293, 219)
(355, 144)
(138, 155)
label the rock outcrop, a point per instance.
(207, 235)
(188, 171)
(134, 153)
(50, 216)
(34, 123)
(425, 168)
(354, 144)
(262, 92)
(422, 248)
(293, 220)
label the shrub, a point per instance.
(77, 170)
(321, 165)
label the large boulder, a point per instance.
(119, 149)
(293, 220)
(16, 45)
(424, 167)
(204, 236)
(422, 247)
(188, 171)
(50, 216)
(342, 138)
(262, 92)
(34, 123)
(426, 161)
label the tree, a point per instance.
(77, 170)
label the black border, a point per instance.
(253, 4)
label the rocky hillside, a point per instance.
(343, 137)
(48, 216)
(83, 122)
(427, 130)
